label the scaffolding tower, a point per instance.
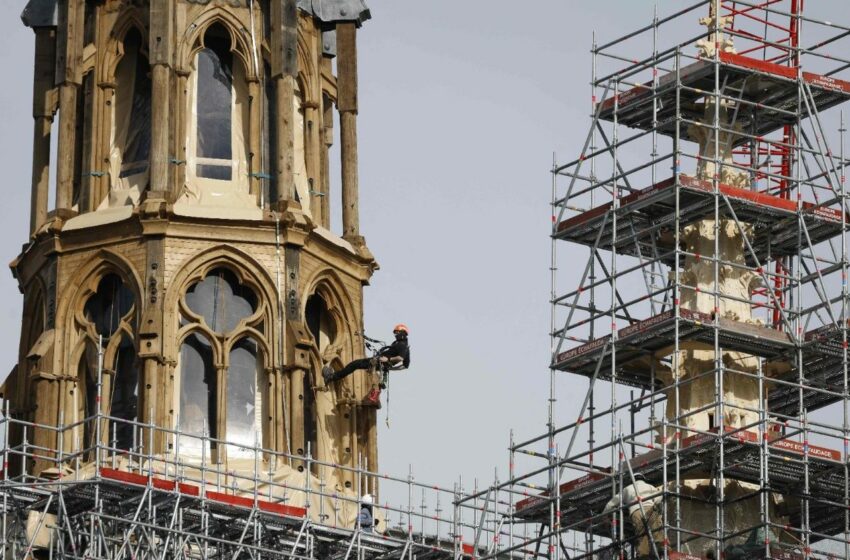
(724, 131)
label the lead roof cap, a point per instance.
(43, 13)
(40, 13)
(336, 11)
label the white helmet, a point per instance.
(367, 500)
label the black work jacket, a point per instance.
(398, 348)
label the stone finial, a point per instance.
(717, 40)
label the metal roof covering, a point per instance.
(331, 11)
(43, 13)
(40, 13)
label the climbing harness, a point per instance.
(382, 369)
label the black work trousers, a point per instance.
(362, 363)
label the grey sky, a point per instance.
(462, 105)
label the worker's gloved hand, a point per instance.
(383, 359)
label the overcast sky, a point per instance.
(463, 103)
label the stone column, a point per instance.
(44, 105)
(347, 86)
(313, 151)
(46, 390)
(147, 405)
(296, 410)
(69, 52)
(180, 128)
(257, 171)
(101, 183)
(327, 142)
(371, 450)
(349, 444)
(218, 429)
(284, 73)
(67, 143)
(160, 42)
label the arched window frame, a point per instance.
(112, 189)
(256, 327)
(83, 359)
(242, 74)
(330, 287)
(129, 152)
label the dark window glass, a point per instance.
(89, 21)
(313, 314)
(88, 377)
(82, 135)
(220, 172)
(138, 144)
(242, 406)
(319, 321)
(197, 390)
(321, 326)
(221, 300)
(125, 395)
(111, 303)
(214, 104)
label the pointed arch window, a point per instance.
(109, 320)
(131, 132)
(221, 366)
(219, 107)
(323, 328)
(197, 392)
(244, 400)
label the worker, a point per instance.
(394, 356)
(365, 519)
(641, 499)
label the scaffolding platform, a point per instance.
(646, 218)
(583, 499)
(770, 93)
(641, 346)
(655, 338)
(823, 373)
(223, 522)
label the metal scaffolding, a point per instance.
(668, 129)
(102, 501)
(91, 495)
(618, 325)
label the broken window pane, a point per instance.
(221, 300)
(244, 404)
(197, 392)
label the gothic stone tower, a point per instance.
(190, 246)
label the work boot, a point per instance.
(373, 398)
(327, 374)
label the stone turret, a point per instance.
(191, 246)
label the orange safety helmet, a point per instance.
(401, 327)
